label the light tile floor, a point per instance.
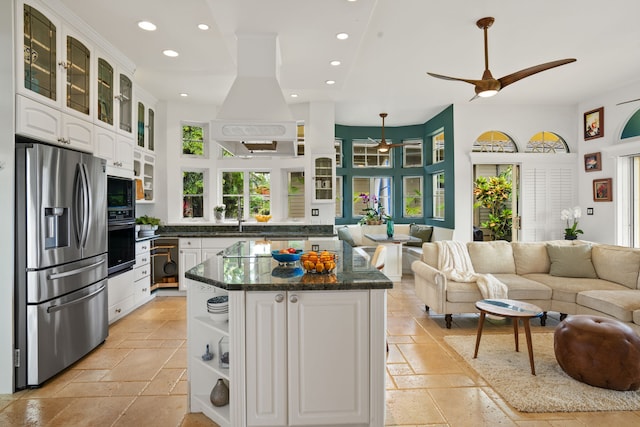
(138, 377)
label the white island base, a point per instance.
(312, 358)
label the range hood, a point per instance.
(254, 119)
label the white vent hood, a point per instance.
(254, 119)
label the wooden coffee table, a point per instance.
(514, 310)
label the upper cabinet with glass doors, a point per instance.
(115, 97)
(323, 178)
(56, 64)
(145, 121)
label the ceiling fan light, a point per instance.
(383, 149)
(487, 93)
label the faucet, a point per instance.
(240, 219)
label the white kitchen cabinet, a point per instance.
(190, 256)
(116, 149)
(39, 121)
(144, 170)
(120, 297)
(114, 96)
(304, 353)
(142, 273)
(323, 178)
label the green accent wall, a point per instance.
(442, 121)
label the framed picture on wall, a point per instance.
(592, 162)
(594, 124)
(602, 190)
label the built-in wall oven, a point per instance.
(121, 227)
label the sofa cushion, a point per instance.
(566, 289)
(463, 292)
(530, 257)
(617, 264)
(492, 257)
(422, 232)
(430, 254)
(619, 304)
(571, 261)
(521, 288)
(345, 234)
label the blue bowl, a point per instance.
(286, 257)
(284, 272)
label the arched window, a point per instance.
(546, 142)
(632, 127)
(494, 141)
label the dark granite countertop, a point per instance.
(260, 272)
(251, 230)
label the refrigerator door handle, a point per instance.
(54, 308)
(56, 276)
(77, 194)
(86, 204)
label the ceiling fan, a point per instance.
(489, 86)
(383, 146)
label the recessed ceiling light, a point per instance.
(330, 82)
(203, 27)
(342, 36)
(184, 95)
(147, 26)
(350, 1)
(170, 53)
(335, 63)
(294, 95)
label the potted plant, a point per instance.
(572, 231)
(372, 212)
(218, 212)
(494, 194)
(148, 225)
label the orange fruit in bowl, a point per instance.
(319, 267)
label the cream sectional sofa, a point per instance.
(409, 253)
(542, 273)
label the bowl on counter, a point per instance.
(286, 272)
(286, 257)
(263, 218)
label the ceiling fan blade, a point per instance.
(519, 75)
(440, 76)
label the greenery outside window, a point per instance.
(366, 155)
(232, 192)
(380, 187)
(192, 194)
(193, 140)
(438, 195)
(412, 196)
(259, 193)
(339, 197)
(412, 154)
(437, 143)
(240, 187)
(295, 196)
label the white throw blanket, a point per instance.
(455, 263)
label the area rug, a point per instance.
(551, 390)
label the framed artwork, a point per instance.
(594, 124)
(602, 190)
(592, 162)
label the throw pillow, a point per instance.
(571, 261)
(422, 232)
(345, 234)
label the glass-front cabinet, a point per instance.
(105, 92)
(125, 97)
(324, 170)
(78, 66)
(40, 54)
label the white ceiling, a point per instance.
(392, 44)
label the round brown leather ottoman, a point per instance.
(598, 351)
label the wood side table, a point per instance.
(513, 310)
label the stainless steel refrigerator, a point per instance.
(61, 259)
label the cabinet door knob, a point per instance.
(293, 298)
(279, 298)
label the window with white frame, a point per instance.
(193, 194)
(437, 144)
(248, 191)
(412, 153)
(366, 155)
(438, 195)
(378, 189)
(412, 196)
(193, 137)
(337, 144)
(295, 194)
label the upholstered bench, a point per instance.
(598, 351)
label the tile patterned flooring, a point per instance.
(138, 377)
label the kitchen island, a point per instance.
(303, 349)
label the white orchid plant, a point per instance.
(571, 216)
